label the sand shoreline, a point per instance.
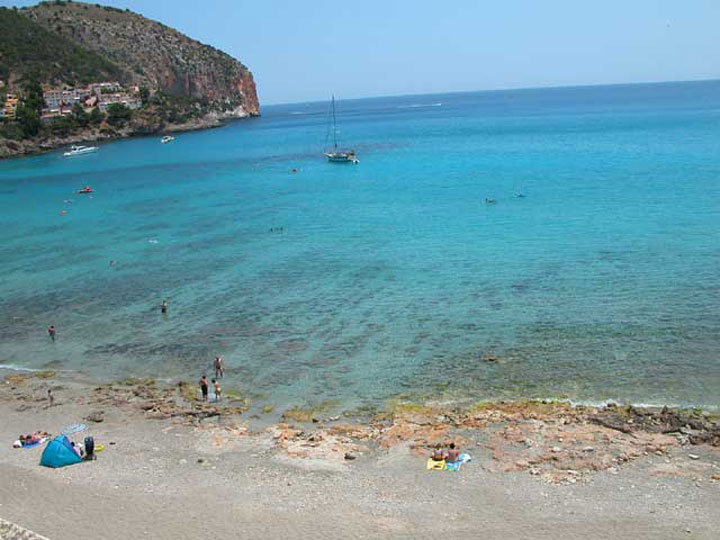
(175, 468)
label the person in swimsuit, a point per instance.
(218, 390)
(437, 454)
(51, 398)
(453, 453)
(77, 448)
(163, 307)
(51, 332)
(204, 387)
(219, 367)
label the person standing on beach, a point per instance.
(204, 387)
(51, 332)
(51, 398)
(218, 390)
(163, 307)
(219, 367)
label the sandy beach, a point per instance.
(173, 468)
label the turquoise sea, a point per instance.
(391, 277)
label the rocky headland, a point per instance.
(183, 84)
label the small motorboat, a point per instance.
(86, 189)
(80, 150)
(167, 138)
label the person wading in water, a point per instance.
(204, 387)
(219, 367)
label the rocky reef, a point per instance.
(553, 441)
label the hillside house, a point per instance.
(10, 106)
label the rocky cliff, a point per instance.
(153, 55)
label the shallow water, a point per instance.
(393, 276)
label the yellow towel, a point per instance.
(433, 465)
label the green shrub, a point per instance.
(118, 114)
(11, 130)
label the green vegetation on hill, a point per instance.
(181, 82)
(29, 52)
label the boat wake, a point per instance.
(420, 105)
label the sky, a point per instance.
(306, 50)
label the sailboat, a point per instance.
(339, 156)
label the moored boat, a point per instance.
(167, 138)
(337, 155)
(342, 157)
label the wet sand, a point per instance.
(183, 474)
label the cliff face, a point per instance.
(153, 55)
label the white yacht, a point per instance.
(336, 155)
(79, 150)
(167, 138)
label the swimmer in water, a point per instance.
(163, 307)
(51, 332)
(113, 263)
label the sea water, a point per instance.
(360, 283)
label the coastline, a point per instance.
(10, 149)
(291, 459)
(237, 469)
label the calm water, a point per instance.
(393, 276)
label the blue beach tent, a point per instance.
(59, 453)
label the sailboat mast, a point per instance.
(334, 126)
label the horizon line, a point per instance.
(507, 89)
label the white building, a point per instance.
(122, 99)
(107, 87)
(57, 99)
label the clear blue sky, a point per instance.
(304, 50)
